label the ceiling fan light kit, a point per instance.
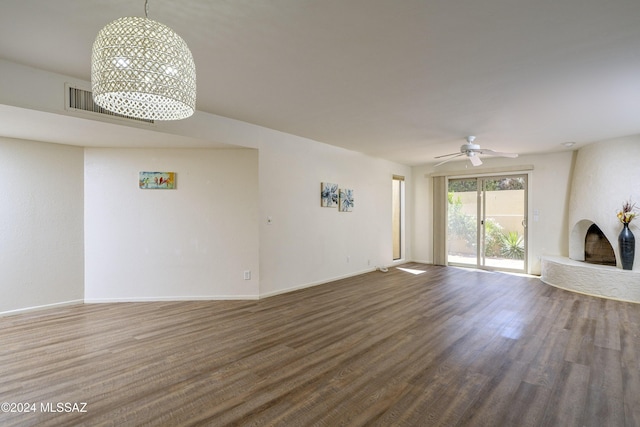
(472, 151)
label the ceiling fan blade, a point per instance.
(475, 160)
(447, 155)
(449, 159)
(498, 153)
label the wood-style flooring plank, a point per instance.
(568, 397)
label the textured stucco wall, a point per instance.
(606, 174)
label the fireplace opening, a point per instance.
(597, 249)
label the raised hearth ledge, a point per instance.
(591, 279)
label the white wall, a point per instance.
(193, 242)
(127, 258)
(307, 244)
(41, 231)
(549, 186)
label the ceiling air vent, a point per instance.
(82, 100)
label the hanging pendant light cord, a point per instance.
(146, 9)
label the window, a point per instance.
(397, 216)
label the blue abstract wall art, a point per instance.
(328, 195)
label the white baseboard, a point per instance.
(197, 298)
(172, 298)
(311, 284)
(40, 307)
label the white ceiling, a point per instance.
(405, 80)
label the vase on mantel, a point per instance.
(627, 243)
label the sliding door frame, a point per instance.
(481, 217)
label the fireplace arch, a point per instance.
(597, 248)
(582, 231)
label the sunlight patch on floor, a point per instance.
(411, 270)
(480, 270)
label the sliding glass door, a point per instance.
(487, 222)
(462, 226)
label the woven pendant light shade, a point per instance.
(141, 68)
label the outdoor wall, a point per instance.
(194, 242)
(41, 232)
(549, 186)
(510, 216)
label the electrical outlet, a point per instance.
(247, 275)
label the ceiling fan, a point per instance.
(472, 151)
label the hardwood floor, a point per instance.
(447, 347)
